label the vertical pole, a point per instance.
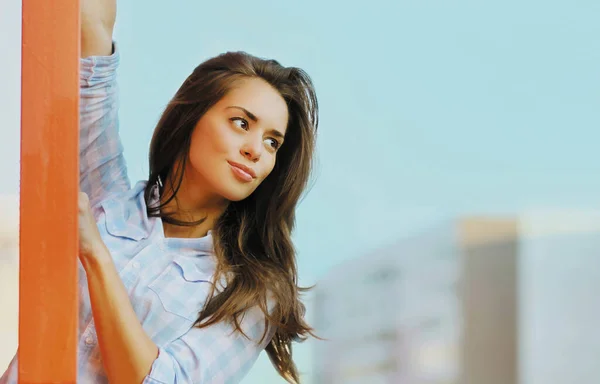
(49, 188)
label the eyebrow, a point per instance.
(253, 117)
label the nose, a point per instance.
(252, 149)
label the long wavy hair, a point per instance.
(252, 238)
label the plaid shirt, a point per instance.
(167, 278)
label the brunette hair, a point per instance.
(252, 239)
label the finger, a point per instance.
(84, 201)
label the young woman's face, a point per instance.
(234, 145)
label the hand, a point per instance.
(90, 241)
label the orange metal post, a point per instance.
(49, 187)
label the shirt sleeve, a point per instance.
(10, 375)
(211, 355)
(102, 167)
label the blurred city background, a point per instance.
(453, 225)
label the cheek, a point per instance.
(209, 144)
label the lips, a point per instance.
(242, 172)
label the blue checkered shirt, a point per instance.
(167, 278)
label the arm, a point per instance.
(214, 354)
(127, 351)
(97, 23)
(102, 167)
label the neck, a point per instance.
(191, 203)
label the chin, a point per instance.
(236, 194)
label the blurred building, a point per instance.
(476, 301)
(558, 301)
(9, 278)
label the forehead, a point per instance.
(261, 99)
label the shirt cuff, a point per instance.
(99, 69)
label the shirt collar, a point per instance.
(126, 216)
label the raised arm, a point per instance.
(97, 23)
(102, 168)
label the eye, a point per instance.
(240, 122)
(273, 143)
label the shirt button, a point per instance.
(89, 340)
(136, 265)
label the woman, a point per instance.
(185, 278)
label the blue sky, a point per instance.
(429, 109)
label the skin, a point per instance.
(223, 134)
(246, 127)
(97, 24)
